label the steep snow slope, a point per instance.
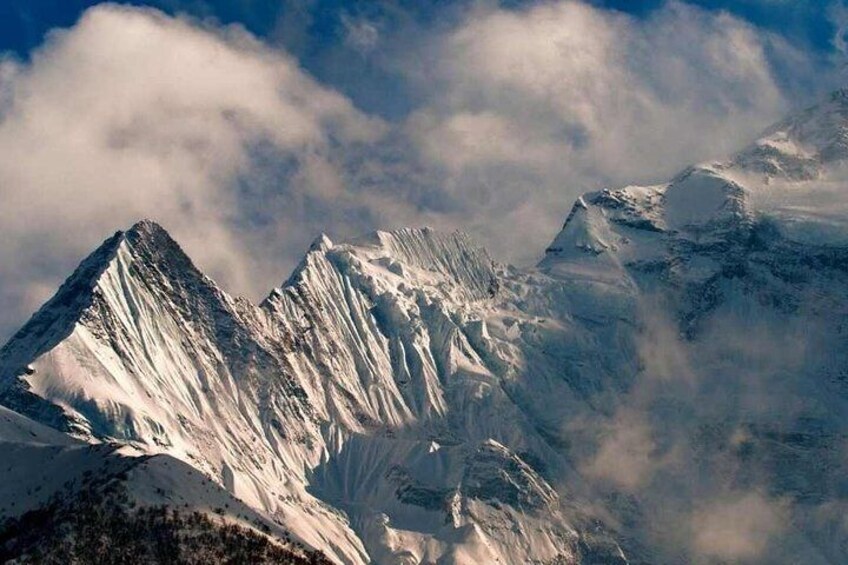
(15, 428)
(139, 347)
(738, 272)
(45, 471)
(381, 341)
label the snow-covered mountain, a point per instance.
(668, 385)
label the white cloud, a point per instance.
(627, 456)
(133, 114)
(837, 13)
(360, 34)
(543, 103)
(739, 527)
(244, 157)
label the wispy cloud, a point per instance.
(738, 527)
(360, 34)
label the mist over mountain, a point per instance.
(668, 384)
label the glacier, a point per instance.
(668, 384)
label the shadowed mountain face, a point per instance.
(668, 385)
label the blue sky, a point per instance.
(246, 141)
(24, 22)
(315, 30)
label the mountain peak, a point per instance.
(149, 241)
(152, 245)
(146, 250)
(146, 228)
(800, 147)
(321, 243)
(55, 319)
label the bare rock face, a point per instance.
(497, 475)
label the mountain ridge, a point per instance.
(403, 398)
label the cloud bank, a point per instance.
(132, 114)
(530, 108)
(246, 158)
